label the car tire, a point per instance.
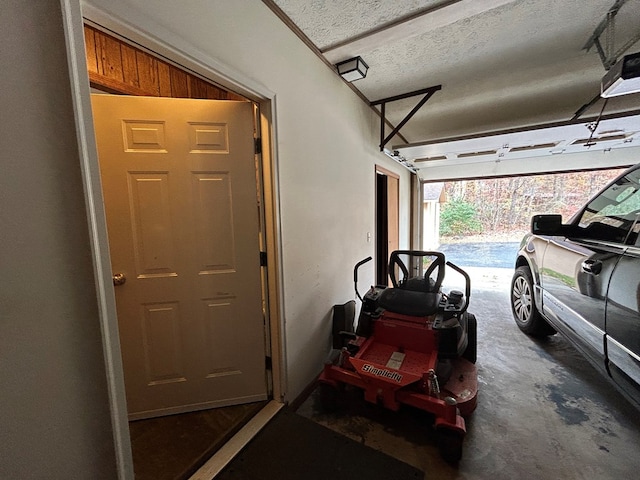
(523, 305)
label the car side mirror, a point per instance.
(547, 225)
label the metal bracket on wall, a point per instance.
(607, 27)
(427, 92)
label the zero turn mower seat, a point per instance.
(417, 297)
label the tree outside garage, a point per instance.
(500, 209)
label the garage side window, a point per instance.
(613, 215)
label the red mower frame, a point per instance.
(414, 346)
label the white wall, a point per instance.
(54, 421)
(326, 151)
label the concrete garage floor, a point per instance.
(543, 411)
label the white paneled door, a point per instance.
(179, 183)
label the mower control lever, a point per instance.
(467, 288)
(355, 274)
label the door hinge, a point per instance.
(257, 145)
(263, 259)
(268, 363)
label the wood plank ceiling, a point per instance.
(117, 67)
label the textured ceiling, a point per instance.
(502, 64)
(346, 19)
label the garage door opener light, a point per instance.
(623, 78)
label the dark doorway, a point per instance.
(387, 227)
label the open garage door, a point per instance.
(477, 218)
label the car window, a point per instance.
(613, 215)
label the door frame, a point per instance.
(147, 35)
(382, 221)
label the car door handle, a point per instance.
(594, 267)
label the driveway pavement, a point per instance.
(489, 265)
(482, 278)
(494, 254)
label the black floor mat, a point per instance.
(173, 447)
(291, 447)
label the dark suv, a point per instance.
(582, 279)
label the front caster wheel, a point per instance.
(329, 397)
(450, 444)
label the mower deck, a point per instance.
(393, 375)
(409, 383)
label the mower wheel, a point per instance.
(471, 352)
(329, 397)
(523, 305)
(450, 444)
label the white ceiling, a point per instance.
(504, 66)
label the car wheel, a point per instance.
(523, 305)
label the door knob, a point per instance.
(119, 279)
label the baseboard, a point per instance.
(306, 392)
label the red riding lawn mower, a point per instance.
(414, 345)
